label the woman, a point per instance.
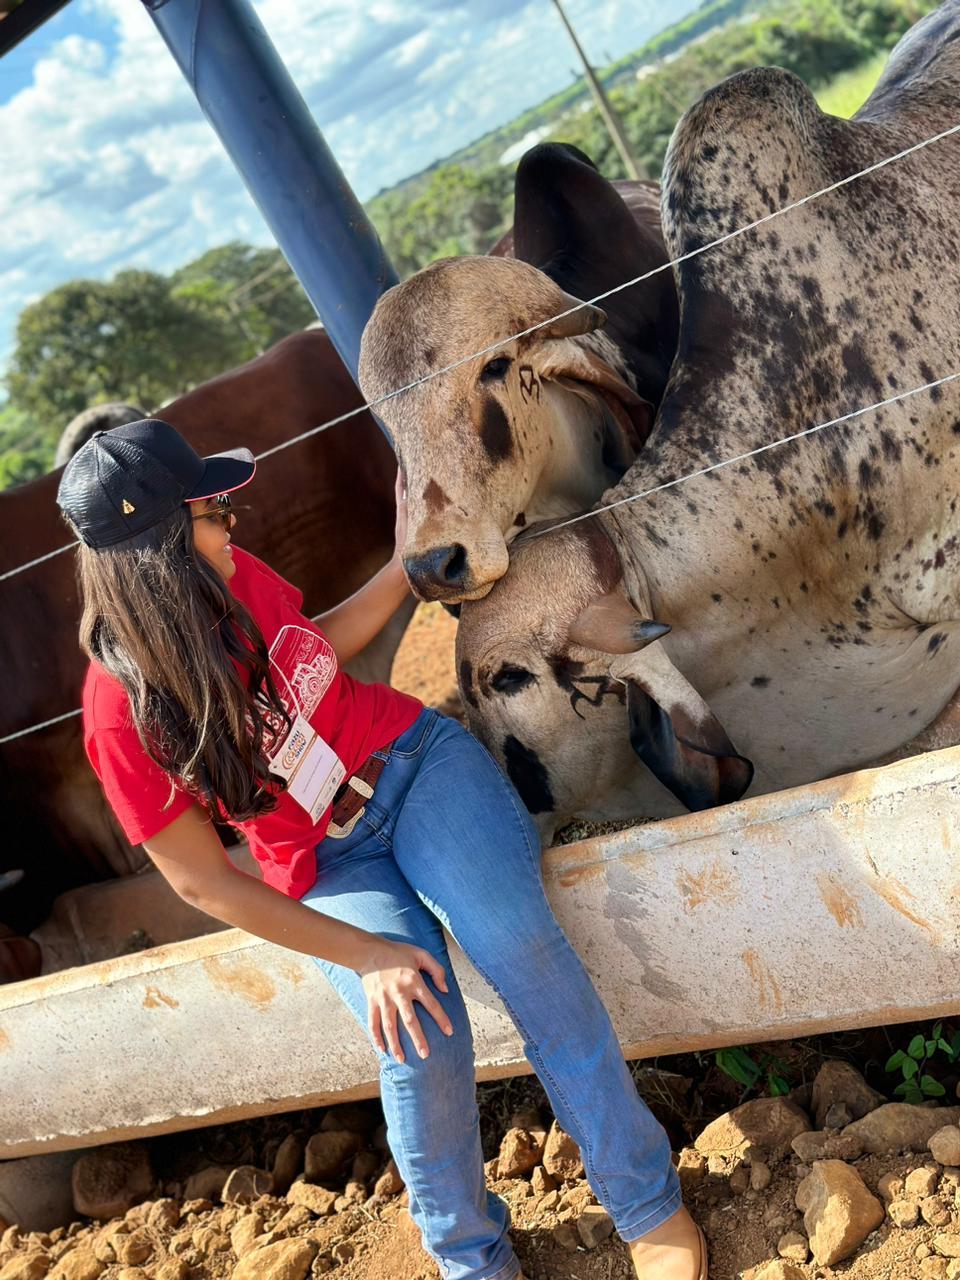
(376, 824)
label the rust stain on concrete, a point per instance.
(4, 1040)
(715, 883)
(839, 901)
(577, 875)
(243, 979)
(155, 998)
(768, 989)
(946, 835)
(893, 892)
(293, 974)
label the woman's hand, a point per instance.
(400, 531)
(392, 981)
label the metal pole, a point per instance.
(600, 98)
(246, 93)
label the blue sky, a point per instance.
(106, 161)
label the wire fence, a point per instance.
(502, 342)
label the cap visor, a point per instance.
(222, 473)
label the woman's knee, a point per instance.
(450, 1059)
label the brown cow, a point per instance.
(320, 512)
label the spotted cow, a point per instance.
(796, 613)
(543, 423)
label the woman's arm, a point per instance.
(190, 856)
(352, 624)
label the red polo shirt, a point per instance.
(353, 718)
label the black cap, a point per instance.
(125, 481)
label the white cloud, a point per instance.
(106, 159)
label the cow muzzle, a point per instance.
(452, 574)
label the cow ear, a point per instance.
(678, 737)
(575, 226)
(629, 417)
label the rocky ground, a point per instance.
(829, 1181)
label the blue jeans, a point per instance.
(445, 843)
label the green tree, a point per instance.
(458, 210)
(25, 451)
(250, 290)
(127, 339)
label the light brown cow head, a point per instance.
(563, 681)
(537, 427)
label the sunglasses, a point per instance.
(223, 514)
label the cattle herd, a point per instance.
(760, 625)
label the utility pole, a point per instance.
(600, 98)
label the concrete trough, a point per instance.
(829, 906)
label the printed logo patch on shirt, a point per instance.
(307, 665)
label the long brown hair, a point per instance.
(162, 621)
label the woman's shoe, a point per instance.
(703, 1255)
(676, 1250)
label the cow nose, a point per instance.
(438, 571)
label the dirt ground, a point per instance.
(192, 1228)
(424, 663)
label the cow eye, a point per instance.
(511, 679)
(495, 370)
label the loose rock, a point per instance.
(78, 1264)
(134, 1248)
(890, 1186)
(173, 1269)
(760, 1175)
(921, 1182)
(739, 1180)
(520, 1152)
(779, 1270)
(934, 1269)
(108, 1180)
(287, 1163)
(900, 1126)
(245, 1232)
(838, 1116)
(246, 1184)
(818, 1144)
(793, 1247)
(839, 1082)
(838, 1211)
(561, 1155)
(945, 1145)
(765, 1125)
(541, 1181)
(365, 1165)
(947, 1244)
(317, 1199)
(904, 1213)
(594, 1225)
(26, 1266)
(284, 1260)
(207, 1184)
(329, 1152)
(163, 1215)
(566, 1236)
(934, 1212)
(390, 1182)
(351, 1117)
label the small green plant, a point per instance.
(741, 1066)
(918, 1084)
